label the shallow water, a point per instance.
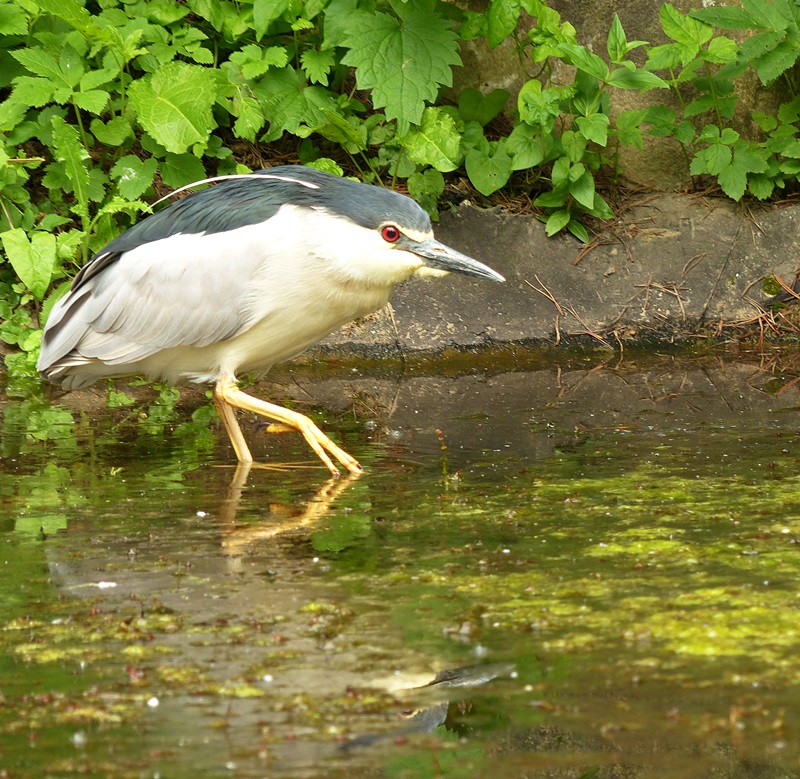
(575, 570)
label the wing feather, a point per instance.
(184, 290)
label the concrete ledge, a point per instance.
(670, 267)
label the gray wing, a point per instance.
(185, 290)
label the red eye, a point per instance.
(390, 234)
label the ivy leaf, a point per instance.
(489, 168)
(403, 60)
(526, 146)
(174, 105)
(178, 170)
(33, 260)
(133, 175)
(475, 106)
(113, 133)
(435, 142)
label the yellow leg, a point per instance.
(228, 396)
(228, 417)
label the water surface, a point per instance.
(584, 569)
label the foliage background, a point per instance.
(107, 106)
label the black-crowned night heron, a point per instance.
(238, 277)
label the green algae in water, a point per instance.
(643, 584)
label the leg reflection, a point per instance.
(282, 519)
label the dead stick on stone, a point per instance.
(587, 330)
(542, 290)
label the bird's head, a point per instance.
(377, 235)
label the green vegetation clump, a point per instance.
(107, 105)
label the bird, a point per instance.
(237, 277)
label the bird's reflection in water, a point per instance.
(282, 520)
(427, 719)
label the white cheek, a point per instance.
(357, 255)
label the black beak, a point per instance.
(441, 257)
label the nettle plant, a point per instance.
(701, 69)
(104, 105)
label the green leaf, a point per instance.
(435, 142)
(353, 137)
(133, 175)
(72, 153)
(557, 221)
(594, 128)
(733, 180)
(475, 106)
(777, 61)
(255, 61)
(578, 230)
(249, 117)
(426, 188)
(713, 160)
(174, 105)
(687, 31)
(265, 12)
(767, 14)
(112, 133)
(403, 61)
(617, 43)
(635, 78)
(33, 92)
(290, 105)
(761, 187)
(428, 183)
(73, 13)
(489, 170)
(93, 101)
(583, 189)
(629, 127)
(178, 170)
(13, 20)
(33, 260)
(317, 65)
(721, 49)
(526, 147)
(41, 62)
(729, 17)
(538, 106)
(666, 57)
(502, 18)
(584, 60)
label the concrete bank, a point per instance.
(669, 267)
